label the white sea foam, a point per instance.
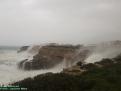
(10, 58)
(105, 50)
(8, 67)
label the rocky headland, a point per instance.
(104, 75)
(50, 55)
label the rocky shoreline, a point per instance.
(104, 75)
(51, 55)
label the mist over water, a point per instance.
(9, 59)
(9, 71)
(104, 50)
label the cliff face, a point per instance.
(49, 56)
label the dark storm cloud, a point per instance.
(65, 21)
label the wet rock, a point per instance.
(34, 49)
(21, 64)
(48, 57)
(105, 62)
(23, 48)
(74, 70)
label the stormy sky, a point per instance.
(25, 22)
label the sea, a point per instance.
(9, 71)
(9, 59)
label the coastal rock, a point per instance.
(23, 48)
(34, 49)
(49, 56)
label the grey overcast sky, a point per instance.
(25, 22)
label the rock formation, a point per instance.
(23, 48)
(51, 55)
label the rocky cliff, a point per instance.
(51, 55)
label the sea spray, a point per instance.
(8, 66)
(104, 50)
(10, 58)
